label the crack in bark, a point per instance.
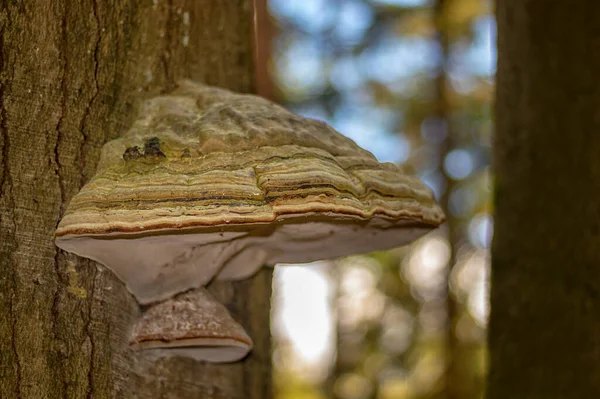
(61, 185)
(82, 164)
(87, 110)
(63, 107)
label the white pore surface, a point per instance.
(211, 350)
(159, 266)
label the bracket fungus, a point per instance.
(194, 325)
(212, 184)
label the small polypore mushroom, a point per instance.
(231, 182)
(194, 325)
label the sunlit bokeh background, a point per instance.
(411, 81)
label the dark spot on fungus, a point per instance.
(186, 153)
(152, 148)
(132, 153)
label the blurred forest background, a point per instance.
(412, 82)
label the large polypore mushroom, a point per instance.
(212, 184)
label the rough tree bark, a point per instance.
(545, 322)
(71, 74)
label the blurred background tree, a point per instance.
(544, 331)
(411, 81)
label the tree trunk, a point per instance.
(545, 322)
(71, 75)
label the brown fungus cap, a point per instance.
(211, 183)
(193, 325)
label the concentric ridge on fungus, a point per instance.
(207, 158)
